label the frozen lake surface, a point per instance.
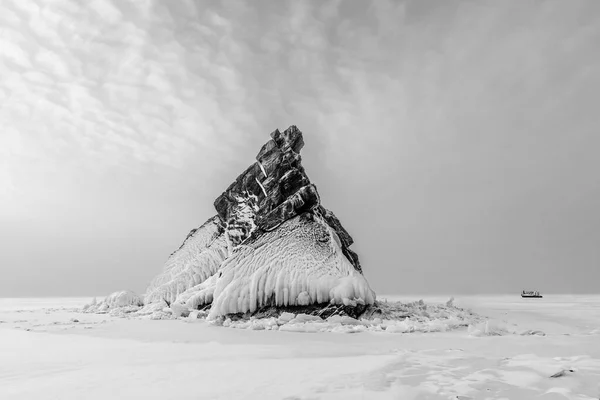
(49, 350)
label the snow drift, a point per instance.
(118, 300)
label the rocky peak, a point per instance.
(273, 190)
(272, 243)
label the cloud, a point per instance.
(122, 85)
(464, 115)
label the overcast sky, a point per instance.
(457, 141)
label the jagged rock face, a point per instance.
(276, 183)
(271, 244)
(273, 190)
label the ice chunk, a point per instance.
(401, 326)
(349, 328)
(301, 318)
(155, 311)
(313, 327)
(180, 310)
(488, 328)
(344, 320)
(285, 317)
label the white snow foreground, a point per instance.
(68, 353)
(198, 258)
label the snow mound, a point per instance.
(123, 298)
(299, 263)
(124, 301)
(198, 258)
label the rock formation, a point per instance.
(272, 243)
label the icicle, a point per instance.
(286, 267)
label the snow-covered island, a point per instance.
(271, 244)
(273, 256)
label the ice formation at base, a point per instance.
(198, 258)
(116, 300)
(299, 264)
(271, 243)
(393, 318)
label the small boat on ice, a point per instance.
(531, 294)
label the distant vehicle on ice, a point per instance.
(533, 294)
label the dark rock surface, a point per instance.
(318, 310)
(273, 190)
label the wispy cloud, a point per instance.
(458, 111)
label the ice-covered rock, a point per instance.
(122, 299)
(199, 295)
(180, 310)
(273, 190)
(271, 243)
(301, 318)
(196, 260)
(299, 263)
(125, 301)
